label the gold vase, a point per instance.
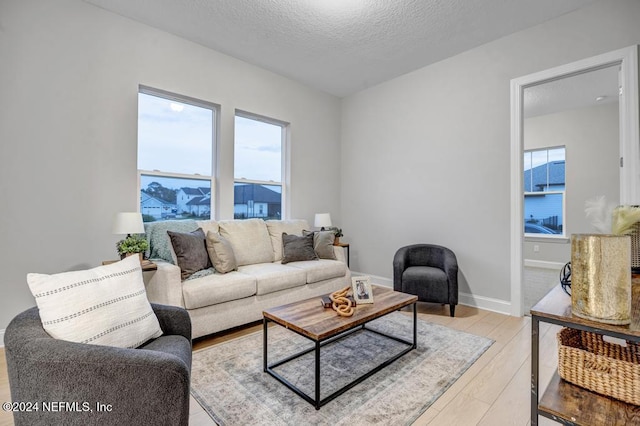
(601, 277)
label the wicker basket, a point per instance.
(586, 360)
(635, 248)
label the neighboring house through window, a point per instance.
(259, 167)
(176, 139)
(544, 191)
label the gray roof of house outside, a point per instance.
(539, 174)
(199, 201)
(257, 193)
(196, 191)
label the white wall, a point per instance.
(425, 157)
(591, 138)
(69, 75)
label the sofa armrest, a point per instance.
(164, 286)
(173, 320)
(340, 254)
(450, 266)
(400, 263)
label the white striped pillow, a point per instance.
(106, 305)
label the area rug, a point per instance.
(228, 382)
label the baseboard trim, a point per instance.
(2, 338)
(386, 282)
(486, 303)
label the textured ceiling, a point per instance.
(341, 46)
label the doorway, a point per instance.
(558, 108)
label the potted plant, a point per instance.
(338, 233)
(133, 244)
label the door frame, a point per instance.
(627, 58)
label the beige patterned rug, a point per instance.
(228, 381)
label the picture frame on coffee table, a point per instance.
(362, 291)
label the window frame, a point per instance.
(215, 110)
(539, 236)
(284, 158)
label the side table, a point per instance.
(565, 402)
(346, 246)
(146, 264)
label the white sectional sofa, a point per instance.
(217, 301)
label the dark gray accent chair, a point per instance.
(429, 271)
(144, 386)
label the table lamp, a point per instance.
(128, 223)
(322, 220)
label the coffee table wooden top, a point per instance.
(310, 319)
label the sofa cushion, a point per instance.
(191, 251)
(295, 248)
(272, 277)
(208, 225)
(323, 269)
(250, 240)
(221, 253)
(277, 227)
(159, 242)
(217, 288)
(323, 243)
(106, 305)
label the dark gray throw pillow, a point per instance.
(191, 251)
(295, 248)
(323, 243)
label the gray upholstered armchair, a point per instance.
(144, 386)
(428, 271)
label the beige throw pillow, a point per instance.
(323, 243)
(106, 305)
(221, 253)
(249, 239)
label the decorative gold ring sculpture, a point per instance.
(341, 304)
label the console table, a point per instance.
(146, 264)
(565, 402)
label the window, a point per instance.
(176, 137)
(258, 167)
(544, 191)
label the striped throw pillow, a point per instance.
(106, 305)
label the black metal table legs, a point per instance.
(317, 401)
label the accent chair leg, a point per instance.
(452, 309)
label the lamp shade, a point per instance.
(128, 223)
(322, 220)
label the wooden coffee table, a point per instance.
(323, 325)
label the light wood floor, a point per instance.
(493, 391)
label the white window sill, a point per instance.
(546, 238)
